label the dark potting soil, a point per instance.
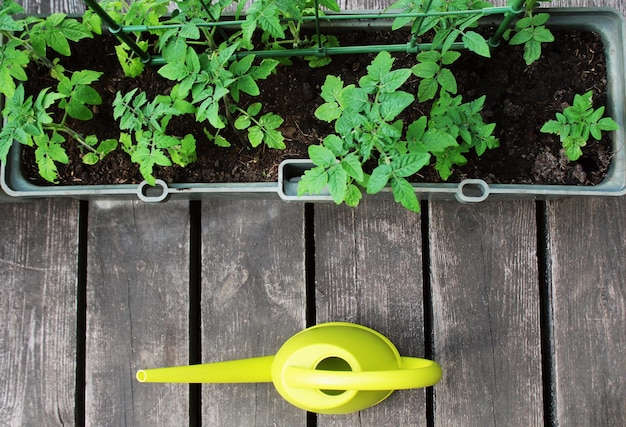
(519, 98)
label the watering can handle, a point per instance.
(415, 373)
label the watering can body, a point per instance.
(331, 368)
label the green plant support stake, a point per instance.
(517, 7)
(331, 368)
(116, 29)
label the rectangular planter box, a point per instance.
(608, 23)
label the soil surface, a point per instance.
(520, 99)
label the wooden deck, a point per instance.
(523, 304)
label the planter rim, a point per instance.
(608, 22)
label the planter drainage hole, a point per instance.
(152, 194)
(472, 191)
(333, 364)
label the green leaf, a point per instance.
(426, 70)
(254, 109)
(255, 136)
(393, 80)
(242, 122)
(379, 179)
(437, 141)
(521, 37)
(392, 104)
(173, 71)
(352, 165)
(86, 95)
(409, 164)
(313, 181)
(476, 43)
(532, 51)
(607, 123)
(540, 18)
(90, 159)
(78, 111)
(274, 139)
(404, 194)
(551, 126)
(328, 112)
(321, 156)
(353, 99)
(427, 89)
(337, 183)
(380, 66)
(446, 79)
(331, 89)
(450, 56)
(353, 195)
(542, 34)
(334, 144)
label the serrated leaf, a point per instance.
(393, 80)
(427, 89)
(532, 51)
(274, 139)
(328, 112)
(404, 194)
(392, 104)
(521, 36)
(334, 144)
(270, 121)
(331, 89)
(540, 18)
(255, 136)
(379, 179)
(608, 124)
(436, 141)
(313, 181)
(476, 43)
(337, 183)
(254, 108)
(321, 156)
(90, 159)
(242, 122)
(409, 164)
(78, 110)
(380, 66)
(447, 81)
(542, 34)
(426, 70)
(86, 95)
(352, 165)
(353, 98)
(353, 195)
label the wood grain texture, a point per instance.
(368, 270)
(38, 263)
(42, 7)
(137, 311)
(588, 252)
(486, 313)
(253, 300)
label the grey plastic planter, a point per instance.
(609, 23)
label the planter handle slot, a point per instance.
(153, 194)
(472, 191)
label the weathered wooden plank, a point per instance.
(38, 264)
(253, 299)
(137, 311)
(486, 313)
(368, 270)
(44, 7)
(588, 251)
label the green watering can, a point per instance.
(331, 368)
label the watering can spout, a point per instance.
(253, 370)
